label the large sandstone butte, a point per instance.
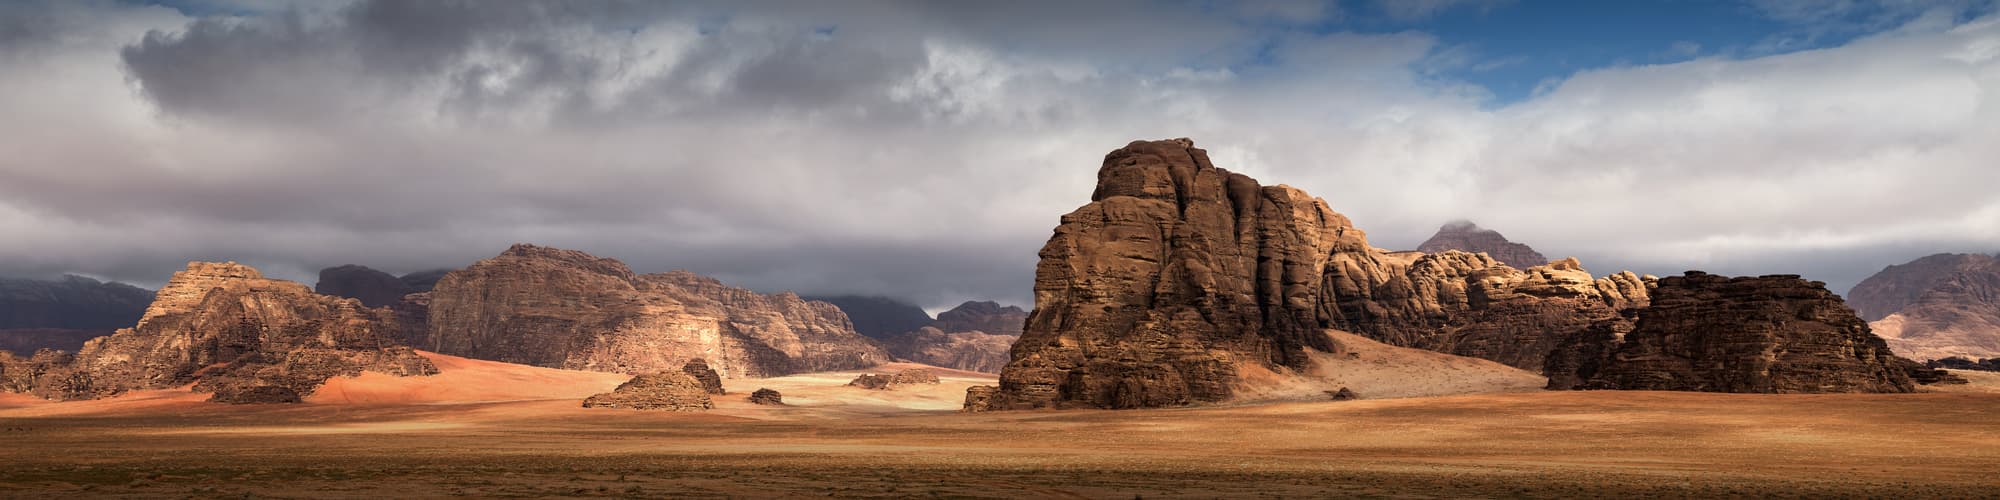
(975, 336)
(1178, 275)
(1768, 334)
(567, 309)
(229, 331)
(1467, 237)
(1936, 307)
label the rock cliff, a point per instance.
(1899, 286)
(1178, 274)
(975, 336)
(1768, 334)
(568, 309)
(229, 331)
(1467, 237)
(1944, 305)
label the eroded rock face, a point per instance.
(975, 336)
(568, 309)
(886, 381)
(669, 391)
(1178, 273)
(1956, 313)
(1896, 287)
(1769, 334)
(1467, 237)
(233, 333)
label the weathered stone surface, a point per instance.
(670, 391)
(765, 396)
(1896, 287)
(971, 351)
(710, 381)
(886, 381)
(878, 317)
(71, 303)
(227, 329)
(1769, 334)
(1957, 313)
(1467, 237)
(1178, 273)
(979, 398)
(568, 309)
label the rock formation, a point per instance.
(1467, 237)
(374, 288)
(1769, 334)
(568, 309)
(911, 376)
(62, 314)
(878, 317)
(710, 381)
(1958, 363)
(233, 333)
(1938, 306)
(1178, 274)
(671, 391)
(765, 396)
(975, 336)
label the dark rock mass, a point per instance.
(568, 309)
(878, 317)
(1467, 237)
(764, 396)
(710, 381)
(1178, 274)
(1769, 334)
(668, 391)
(982, 316)
(374, 288)
(71, 303)
(25, 341)
(233, 333)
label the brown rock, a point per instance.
(1467, 237)
(1769, 334)
(979, 398)
(234, 333)
(1896, 287)
(567, 309)
(971, 351)
(1344, 394)
(889, 381)
(710, 381)
(767, 397)
(262, 394)
(671, 391)
(1179, 273)
(1956, 314)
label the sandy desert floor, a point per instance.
(385, 437)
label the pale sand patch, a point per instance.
(1374, 370)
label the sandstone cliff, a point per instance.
(568, 309)
(233, 333)
(1769, 334)
(1179, 274)
(1467, 237)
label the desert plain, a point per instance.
(491, 429)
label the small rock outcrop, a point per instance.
(979, 398)
(1768, 334)
(233, 333)
(878, 317)
(1467, 237)
(567, 309)
(670, 391)
(1179, 274)
(710, 381)
(764, 396)
(1344, 394)
(888, 381)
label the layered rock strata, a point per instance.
(568, 309)
(710, 381)
(888, 381)
(668, 391)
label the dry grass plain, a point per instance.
(383, 437)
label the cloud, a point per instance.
(924, 151)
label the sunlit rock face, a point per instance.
(568, 309)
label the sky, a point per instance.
(925, 150)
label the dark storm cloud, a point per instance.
(923, 150)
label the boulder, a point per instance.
(767, 397)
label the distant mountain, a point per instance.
(878, 317)
(1937, 306)
(374, 288)
(975, 336)
(1465, 236)
(73, 302)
